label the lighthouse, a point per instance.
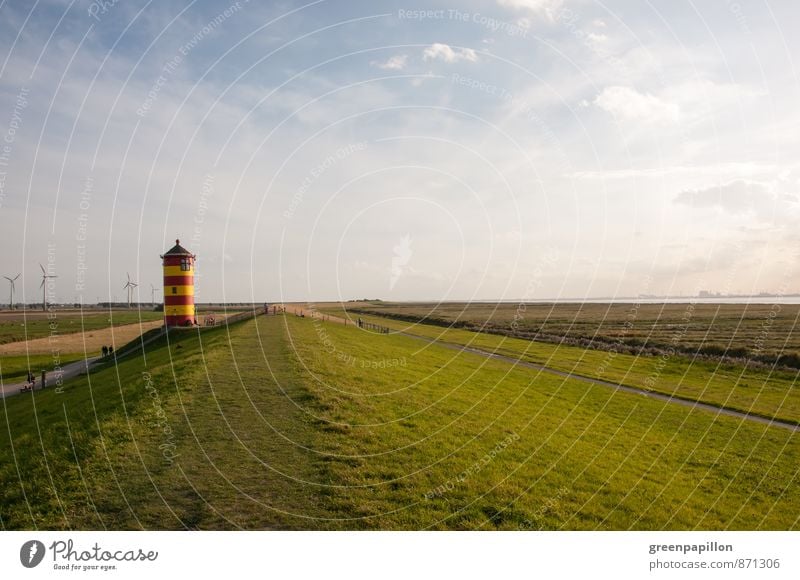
(178, 265)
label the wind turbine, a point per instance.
(11, 281)
(130, 286)
(45, 276)
(153, 295)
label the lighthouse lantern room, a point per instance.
(178, 265)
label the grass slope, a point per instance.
(192, 436)
(772, 394)
(295, 423)
(427, 438)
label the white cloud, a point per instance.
(397, 62)
(448, 54)
(418, 81)
(700, 98)
(718, 170)
(629, 104)
(769, 202)
(736, 197)
(597, 41)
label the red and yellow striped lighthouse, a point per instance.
(179, 286)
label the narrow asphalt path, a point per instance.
(717, 410)
(726, 411)
(54, 377)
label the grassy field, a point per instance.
(293, 423)
(763, 332)
(760, 391)
(171, 441)
(18, 326)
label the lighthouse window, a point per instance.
(174, 289)
(185, 264)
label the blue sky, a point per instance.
(337, 150)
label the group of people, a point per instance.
(30, 383)
(108, 350)
(275, 309)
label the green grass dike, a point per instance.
(768, 393)
(294, 423)
(200, 433)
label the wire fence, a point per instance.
(377, 328)
(211, 319)
(371, 326)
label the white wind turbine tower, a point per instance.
(43, 286)
(11, 282)
(130, 285)
(153, 295)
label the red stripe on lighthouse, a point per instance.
(178, 300)
(178, 280)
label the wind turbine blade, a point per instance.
(42, 284)
(18, 275)
(42, 267)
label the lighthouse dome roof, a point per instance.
(178, 250)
